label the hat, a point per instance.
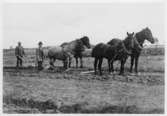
(40, 43)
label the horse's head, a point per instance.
(129, 41)
(148, 35)
(85, 41)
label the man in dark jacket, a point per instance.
(40, 56)
(19, 53)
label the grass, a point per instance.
(73, 95)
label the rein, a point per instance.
(122, 49)
(126, 50)
(138, 44)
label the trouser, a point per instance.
(40, 67)
(19, 62)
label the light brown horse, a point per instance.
(59, 54)
(76, 48)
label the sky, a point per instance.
(56, 23)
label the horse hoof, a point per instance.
(50, 68)
(136, 73)
(111, 73)
(121, 73)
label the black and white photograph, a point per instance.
(83, 58)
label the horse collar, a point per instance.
(137, 42)
(124, 47)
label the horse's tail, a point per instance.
(96, 51)
(49, 54)
(93, 52)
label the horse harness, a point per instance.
(125, 49)
(138, 44)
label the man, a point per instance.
(39, 56)
(19, 53)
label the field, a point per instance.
(73, 91)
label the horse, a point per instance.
(118, 51)
(117, 42)
(140, 37)
(58, 53)
(75, 48)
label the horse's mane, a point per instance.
(140, 36)
(143, 30)
(63, 44)
(79, 45)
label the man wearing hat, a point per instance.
(19, 53)
(39, 56)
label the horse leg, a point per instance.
(136, 64)
(81, 62)
(109, 65)
(95, 65)
(70, 62)
(54, 60)
(51, 62)
(112, 68)
(65, 63)
(99, 65)
(122, 67)
(76, 58)
(132, 61)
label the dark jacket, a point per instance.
(39, 54)
(19, 51)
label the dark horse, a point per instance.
(75, 48)
(119, 51)
(120, 54)
(140, 37)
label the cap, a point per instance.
(40, 43)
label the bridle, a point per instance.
(124, 48)
(138, 44)
(135, 42)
